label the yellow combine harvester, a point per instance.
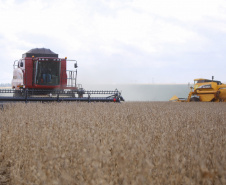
(206, 91)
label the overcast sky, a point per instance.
(120, 41)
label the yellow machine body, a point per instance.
(205, 90)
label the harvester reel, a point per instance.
(59, 95)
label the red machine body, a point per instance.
(30, 74)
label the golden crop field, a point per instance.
(113, 143)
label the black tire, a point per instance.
(194, 99)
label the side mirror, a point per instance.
(21, 64)
(75, 65)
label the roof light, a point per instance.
(66, 58)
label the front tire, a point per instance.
(194, 99)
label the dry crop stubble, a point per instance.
(110, 143)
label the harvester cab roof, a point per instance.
(202, 80)
(40, 52)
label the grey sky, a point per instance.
(130, 41)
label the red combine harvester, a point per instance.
(41, 76)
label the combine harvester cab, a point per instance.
(41, 76)
(205, 90)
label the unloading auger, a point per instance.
(41, 76)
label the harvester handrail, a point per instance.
(71, 60)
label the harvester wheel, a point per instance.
(194, 99)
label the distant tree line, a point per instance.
(5, 85)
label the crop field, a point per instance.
(113, 143)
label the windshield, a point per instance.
(47, 72)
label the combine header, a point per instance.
(41, 76)
(205, 90)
